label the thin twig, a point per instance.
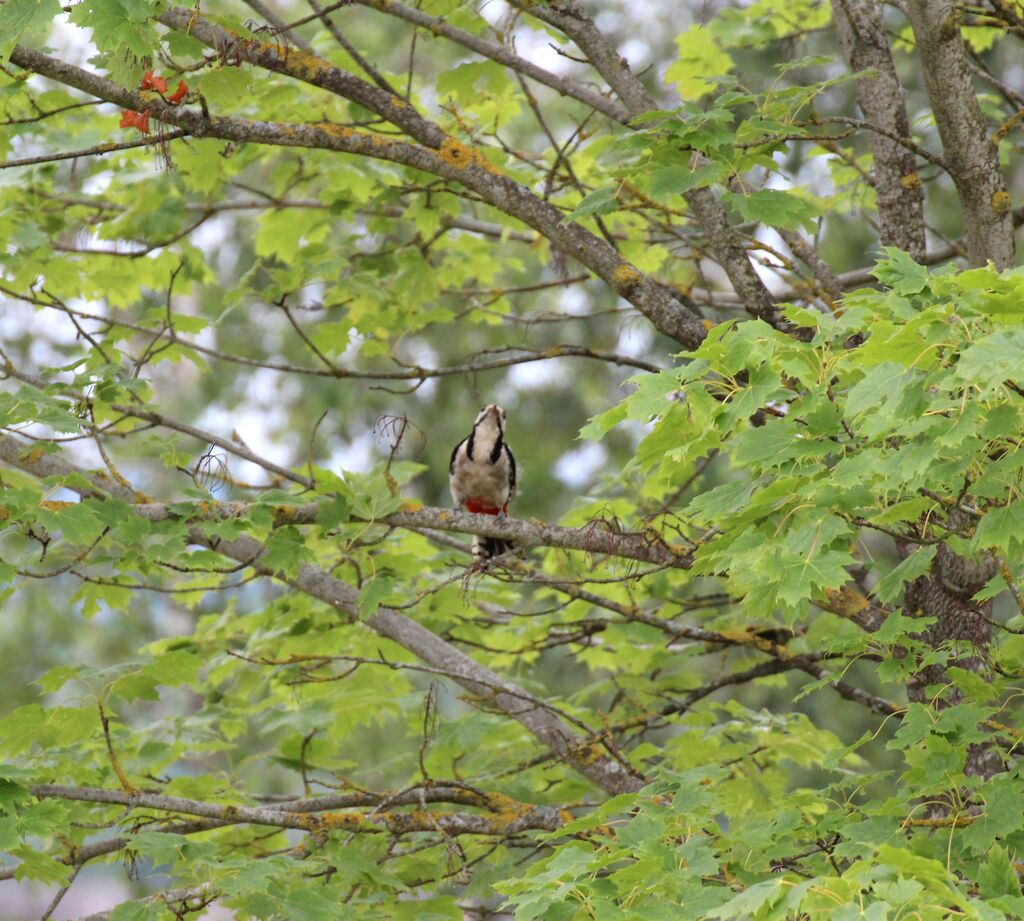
(96, 151)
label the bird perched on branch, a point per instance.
(482, 475)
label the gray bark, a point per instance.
(898, 189)
(967, 148)
(309, 816)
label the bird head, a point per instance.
(491, 415)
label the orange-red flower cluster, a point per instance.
(151, 81)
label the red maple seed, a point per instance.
(152, 82)
(138, 120)
(179, 93)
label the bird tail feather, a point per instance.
(484, 548)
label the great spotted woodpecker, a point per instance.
(482, 475)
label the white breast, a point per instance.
(479, 479)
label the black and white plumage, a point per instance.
(482, 475)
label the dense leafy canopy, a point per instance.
(758, 652)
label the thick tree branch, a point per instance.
(432, 792)
(436, 153)
(604, 771)
(313, 817)
(594, 538)
(972, 157)
(900, 196)
(723, 242)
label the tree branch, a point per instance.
(587, 758)
(592, 538)
(562, 85)
(78, 856)
(314, 817)
(417, 795)
(436, 153)
(372, 72)
(279, 26)
(972, 157)
(900, 196)
(723, 242)
(96, 151)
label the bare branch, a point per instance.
(96, 151)
(278, 24)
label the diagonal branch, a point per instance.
(436, 153)
(372, 72)
(532, 713)
(278, 24)
(568, 17)
(723, 242)
(307, 67)
(496, 52)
